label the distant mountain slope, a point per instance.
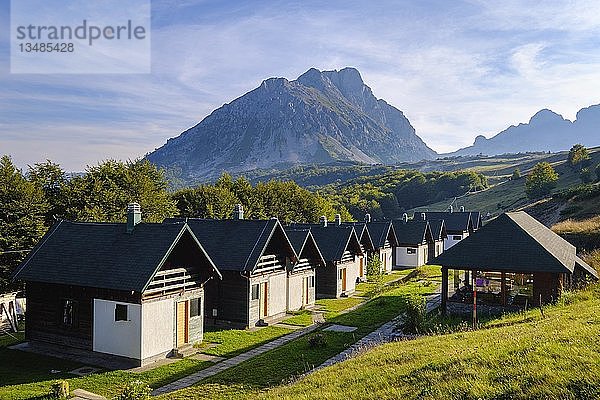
(546, 131)
(321, 117)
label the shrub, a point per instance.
(59, 390)
(317, 340)
(541, 180)
(136, 390)
(516, 175)
(416, 314)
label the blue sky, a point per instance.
(457, 69)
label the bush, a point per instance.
(317, 340)
(541, 180)
(516, 175)
(416, 315)
(136, 390)
(59, 390)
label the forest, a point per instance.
(34, 199)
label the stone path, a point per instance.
(231, 362)
(385, 333)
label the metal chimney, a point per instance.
(462, 208)
(405, 217)
(134, 216)
(423, 216)
(367, 217)
(450, 209)
(323, 220)
(238, 211)
(338, 219)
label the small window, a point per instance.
(341, 274)
(456, 237)
(255, 291)
(121, 312)
(195, 307)
(69, 313)
(411, 251)
(311, 282)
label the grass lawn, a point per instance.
(334, 307)
(232, 342)
(521, 356)
(26, 375)
(293, 359)
(299, 318)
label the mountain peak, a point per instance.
(544, 116)
(321, 117)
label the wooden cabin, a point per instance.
(341, 250)
(133, 291)
(513, 260)
(384, 241)
(366, 244)
(254, 257)
(301, 278)
(438, 231)
(459, 225)
(414, 241)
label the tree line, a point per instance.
(32, 201)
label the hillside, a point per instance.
(545, 131)
(522, 356)
(508, 195)
(321, 117)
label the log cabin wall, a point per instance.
(229, 297)
(45, 312)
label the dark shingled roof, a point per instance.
(579, 263)
(454, 221)
(101, 255)
(333, 240)
(364, 236)
(380, 232)
(236, 245)
(302, 240)
(413, 232)
(438, 229)
(513, 242)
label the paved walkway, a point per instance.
(385, 333)
(231, 362)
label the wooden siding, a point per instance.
(45, 312)
(229, 297)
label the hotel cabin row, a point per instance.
(142, 291)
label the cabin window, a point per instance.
(411, 251)
(255, 291)
(121, 312)
(69, 313)
(456, 237)
(195, 307)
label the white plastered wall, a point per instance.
(158, 322)
(121, 338)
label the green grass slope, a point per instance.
(510, 195)
(524, 356)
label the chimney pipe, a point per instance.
(405, 217)
(323, 220)
(134, 216)
(450, 209)
(462, 208)
(238, 211)
(423, 216)
(367, 217)
(338, 219)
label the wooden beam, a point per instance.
(444, 299)
(503, 287)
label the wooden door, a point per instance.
(264, 300)
(304, 291)
(182, 323)
(343, 279)
(362, 259)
